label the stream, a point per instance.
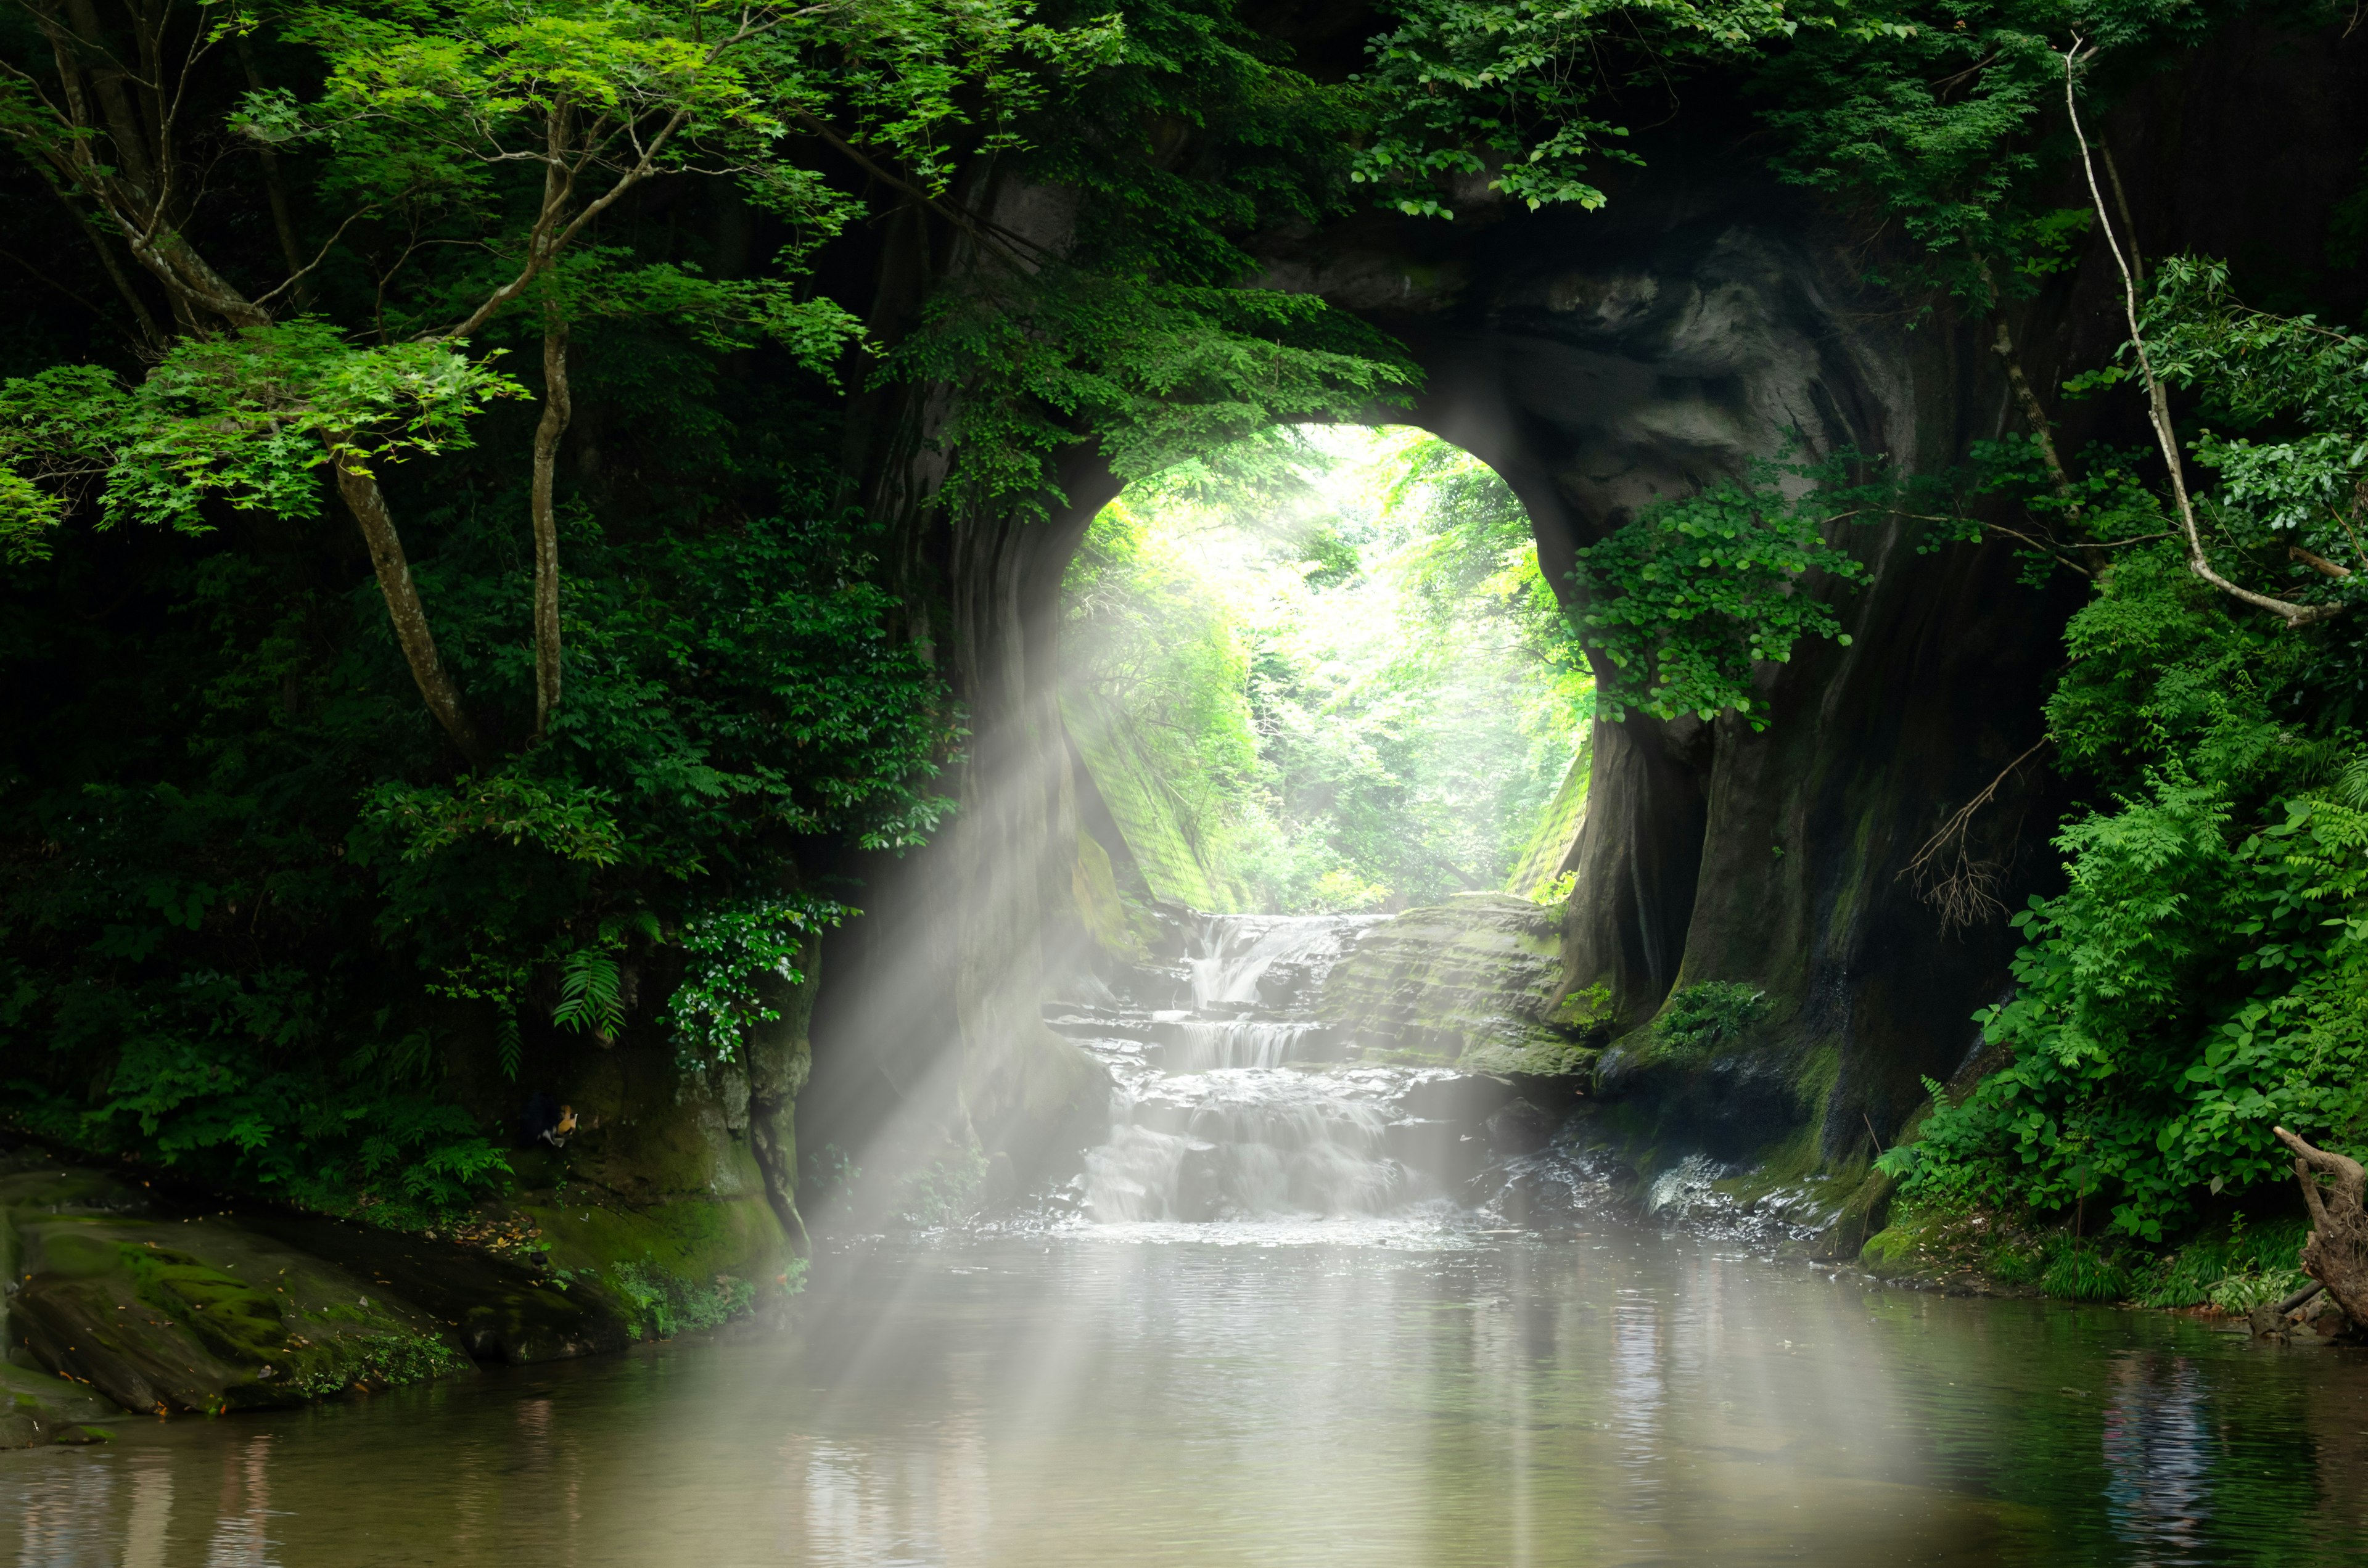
(1300, 1308)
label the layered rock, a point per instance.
(121, 1300)
(1474, 983)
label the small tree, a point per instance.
(424, 112)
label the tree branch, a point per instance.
(2159, 403)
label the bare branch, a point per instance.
(2318, 563)
(2159, 403)
(1947, 876)
(327, 247)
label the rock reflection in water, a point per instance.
(2159, 1454)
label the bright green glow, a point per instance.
(1322, 671)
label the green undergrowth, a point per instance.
(1696, 1022)
(2229, 1267)
(664, 1304)
(943, 1191)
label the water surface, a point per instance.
(1415, 1389)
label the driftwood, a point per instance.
(2270, 1321)
(2336, 1253)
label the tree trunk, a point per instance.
(368, 504)
(556, 411)
(275, 188)
(2336, 1252)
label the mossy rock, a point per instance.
(1470, 983)
(666, 1266)
(203, 1314)
(494, 1310)
(162, 1312)
(41, 1407)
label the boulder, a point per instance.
(163, 1310)
(42, 1407)
(197, 1313)
(1472, 983)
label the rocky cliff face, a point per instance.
(1599, 361)
(1474, 983)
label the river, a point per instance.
(1262, 1329)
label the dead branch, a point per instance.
(1963, 890)
(2157, 401)
(2336, 1252)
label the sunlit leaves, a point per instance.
(1154, 372)
(732, 952)
(249, 418)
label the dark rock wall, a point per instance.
(1599, 361)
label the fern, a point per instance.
(591, 992)
(509, 1046)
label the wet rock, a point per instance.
(41, 1407)
(1472, 982)
(1520, 1128)
(1444, 1149)
(1466, 1098)
(197, 1314)
(162, 1312)
(1165, 1113)
(495, 1311)
(1199, 1183)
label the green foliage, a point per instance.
(662, 1303)
(250, 418)
(1520, 92)
(1685, 600)
(2294, 378)
(2201, 979)
(1697, 1019)
(1156, 371)
(728, 953)
(2072, 1269)
(2232, 1269)
(1942, 122)
(1339, 661)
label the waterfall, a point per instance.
(1248, 1103)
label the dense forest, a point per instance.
(1346, 688)
(448, 624)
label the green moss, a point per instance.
(249, 1324)
(1546, 1056)
(1130, 784)
(1813, 1080)
(1923, 1240)
(670, 1267)
(1549, 846)
(1099, 904)
(1696, 1022)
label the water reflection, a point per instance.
(2159, 1454)
(1432, 1395)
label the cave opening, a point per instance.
(1321, 671)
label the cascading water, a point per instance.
(1248, 1103)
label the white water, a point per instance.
(1249, 1104)
(1238, 950)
